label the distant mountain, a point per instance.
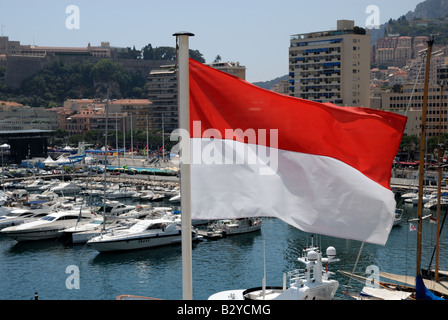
(269, 84)
(428, 9)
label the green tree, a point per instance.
(105, 70)
(410, 144)
(148, 52)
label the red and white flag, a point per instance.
(432, 220)
(319, 167)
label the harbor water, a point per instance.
(60, 271)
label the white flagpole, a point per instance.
(184, 125)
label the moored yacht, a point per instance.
(175, 198)
(148, 233)
(10, 219)
(226, 227)
(85, 232)
(312, 284)
(120, 193)
(37, 185)
(49, 226)
(143, 195)
(66, 188)
(113, 208)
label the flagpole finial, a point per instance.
(183, 33)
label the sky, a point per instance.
(255, 33)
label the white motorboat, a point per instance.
(144, 195)
(409, 195)
(120, 193)
(85, 232)
(398, 216)
(43, 195)
(50, 185)
(93, 192)
(433, 203)
(66, 188)
(49, 226)
(425, 198)
(148, 233)
(113, 208)
(176, 198)
(37, 206)
(37, 185)
(10, 220)
(313, 283)
(3, 198)
(18, 195)
(139, 212)
(158, 196)
(228, 227)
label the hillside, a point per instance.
(427, 10)
(269, 84)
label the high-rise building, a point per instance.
(162, 92)
(331, 66)
(233, 68)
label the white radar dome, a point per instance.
(331, 252)
(312, 255)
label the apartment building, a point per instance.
(162, 92)
(15, 117)
(409, 101)
(89, 114)
(93, 117)
(331, 66)
(233, 68)
(138, 110)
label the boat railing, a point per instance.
(297, 275)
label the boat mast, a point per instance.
(422, 160)
(439, 182)
(105, 158)
(147, 138)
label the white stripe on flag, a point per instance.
(316, 194)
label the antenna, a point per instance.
(264, 266)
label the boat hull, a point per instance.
(241, 230)
(42, 231)
(140, 242)
(33, 235)
(83, 237)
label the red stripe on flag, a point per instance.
(363, 138)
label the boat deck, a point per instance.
(209, 234)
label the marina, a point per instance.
(233, 262)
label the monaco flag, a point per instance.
(321, 168)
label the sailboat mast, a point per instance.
(147, 138)
(105, 158)
(422, 160)
(439, 184)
